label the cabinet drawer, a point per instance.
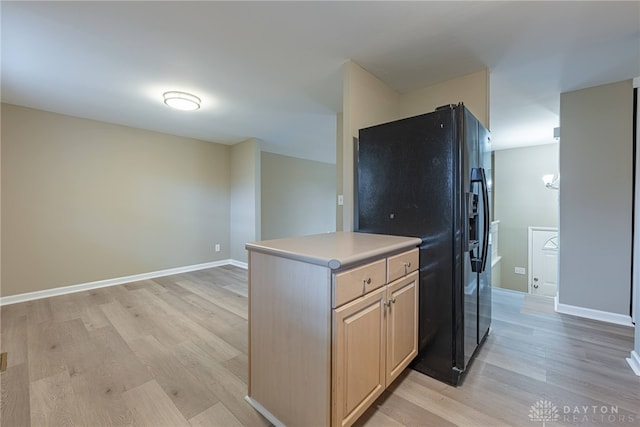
(402, 264)
(356, 282)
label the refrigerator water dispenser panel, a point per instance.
(473, 238)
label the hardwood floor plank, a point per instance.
(150, 406)
(100, 400)
(150, 318)
(218, 315)
(67, 307)
(92, 316)
(101, 370)
(14, 396)
(72, 360)
(107, 359)
(39, 311)
(187, 328)
(221, 297)
(53, 402)
(226, 386)
(13, 326)
(216, 416)
(493, 399)
(393, 410)
(186, 391)
(149, 285)
(47, 342)
(238, 366)
(98, 296)
(226, 276)
(582, 388)
(435, 402)
(124, 322)
(526, 363)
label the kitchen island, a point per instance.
(332, 322)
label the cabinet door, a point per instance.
(402, 325)
(358, 375)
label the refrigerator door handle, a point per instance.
(487, 223)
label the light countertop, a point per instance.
(335, 250)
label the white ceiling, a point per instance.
(273, 70)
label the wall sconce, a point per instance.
(551, 181)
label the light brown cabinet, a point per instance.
(374, 339)
(332, 322)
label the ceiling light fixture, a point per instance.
(181, 101)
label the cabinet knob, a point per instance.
(535, 286)
(365, 282)
(407, 266)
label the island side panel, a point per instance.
(290, 339)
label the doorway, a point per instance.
(543, 261)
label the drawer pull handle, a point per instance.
(407, 266)
(365, 282)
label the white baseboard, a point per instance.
(239, 264)
(29, 296)
(589, 313)
(634, 362)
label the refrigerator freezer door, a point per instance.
(407, 186)
(413, 177)
(484, 281)
(471, 183)
(404, 178)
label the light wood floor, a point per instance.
(173, 351)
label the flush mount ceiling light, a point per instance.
(181, 101)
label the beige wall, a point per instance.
(472, 89)
(596, 152)
(339, 171)
(521, 200)
(298, 196)
(368, 101)
(245, 197)
(84, 200)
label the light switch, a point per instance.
(340, 200)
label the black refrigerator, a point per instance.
(426, 177)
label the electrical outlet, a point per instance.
(520, 270)
(217, 247)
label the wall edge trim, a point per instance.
(634, 362)
(63, 290)
(589, 313)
